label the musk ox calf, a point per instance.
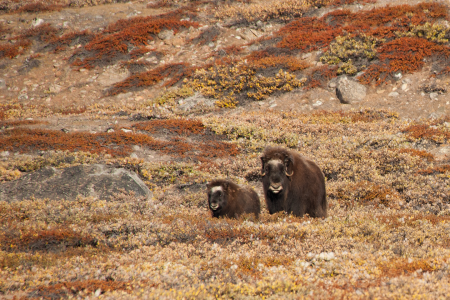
(226, 198)
(292, 183)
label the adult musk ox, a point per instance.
(292, 183)
(226, 198)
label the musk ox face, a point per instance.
(276, 174)
(217, 198)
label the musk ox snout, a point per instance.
(228, 199)
(216, 198)
(292, 183)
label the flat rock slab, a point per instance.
(99, 181)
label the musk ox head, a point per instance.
(217, 197)
(276, 171)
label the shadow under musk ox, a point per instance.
(225, 198)
(292, 183)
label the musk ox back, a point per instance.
(292, 183)
(226, 198)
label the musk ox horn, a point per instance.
(287, 161)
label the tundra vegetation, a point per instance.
(387, 178)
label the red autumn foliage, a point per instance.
(420, 153)
(57, 238)
(175, 72)
(320, 76)
(70, 289)
(11, 50)
(119, 143)
(36, 7)
(423, 131)
(178, 126)
(435, 170)
(404, 55)
(116, 41)
(62, 42)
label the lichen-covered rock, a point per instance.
(99, 181)
(349, 91)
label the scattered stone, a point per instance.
(36, 22)
(317, 103)
(196, 100)
(259, 24)
(349, 91)
(64, 130)
(4, 153)
(434, 96)
(126, 130)
(124, 96)
(165, 34)
(2, 84)
(393, 94)
(113, 74)
(99, 181)
(404, 87)
(380, 91)
(398, 76)
(23, 96)
(326, 256)
(55, 88)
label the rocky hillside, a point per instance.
(114, 115)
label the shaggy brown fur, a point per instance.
(226, 198)
(292, 183)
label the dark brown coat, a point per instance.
(292, 183)
(225, 198)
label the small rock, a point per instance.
(23, 97)
(398, 76)
(55, 88)
(273, 105)
(404, 87)
(434, 96)
(36, 22)
(259, 24)
(407, 80)
(126, 130)
(317, 103)
(332, 85)
(393, 94)
(380, 91)
(98, 292)
(238, 37)
(2, 84)
(166, 34)
(349, 91)
(4, 153)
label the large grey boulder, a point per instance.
(99, 181)
(349, 91)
